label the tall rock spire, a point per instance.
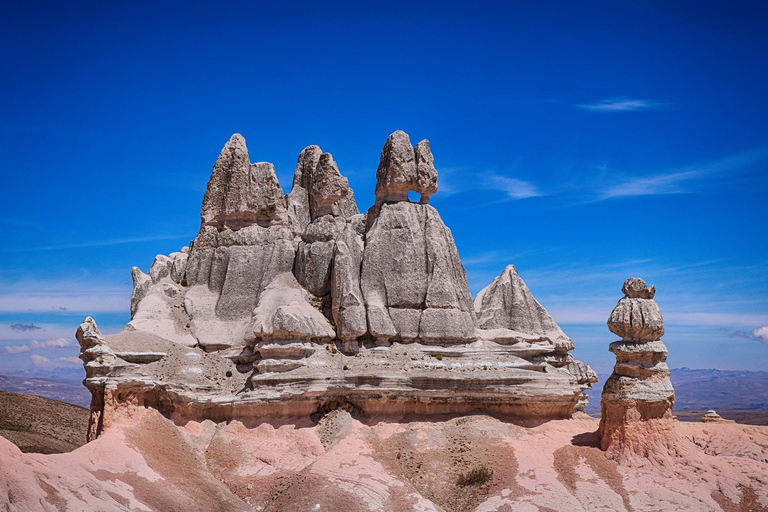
(638, 397)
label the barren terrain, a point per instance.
(478, 462)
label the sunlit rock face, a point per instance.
(285, 303)
(638, 397)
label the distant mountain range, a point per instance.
(69, 391)
(731, 390)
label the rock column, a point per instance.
(638, 397)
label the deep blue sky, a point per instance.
(585, 142)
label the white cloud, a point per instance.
(73, 360)
(16, 349)
(620, 105)
(761, 334)
(38, 345)
(514, 188)
(57, 343)
(39, 360)
(655, 185)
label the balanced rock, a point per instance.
(286, 304)
(638, 397)
(403, 169)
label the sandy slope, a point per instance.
(147, 463)
(40, 425)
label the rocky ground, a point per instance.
(145, 462)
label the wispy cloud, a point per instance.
(16, 349)
(97, 243)
(679, 181)
(38, 345)
(620, 105)
(71, 360)
(656, 185)
(39, 360)
(514, 188)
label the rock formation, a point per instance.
(638, 397)
(712, 417)
(285, 303)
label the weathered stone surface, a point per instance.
(284, 313)
(638, 397)
(635, 288)
(401, 169)
(314, 255)
(410, 262)
(284, 304)
(348, 304)
(585, 376)
(426, 174)
(507, 308)
(318, 189)
(637, 319)
(239, 193)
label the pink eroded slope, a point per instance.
(148, 463)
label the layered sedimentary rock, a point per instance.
(284, 304)
(638, 397)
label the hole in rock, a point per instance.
(414, 197)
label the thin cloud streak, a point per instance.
(685, 181)
(514, 188)
(98, 243)
(620, 105)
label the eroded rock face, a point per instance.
(638, 397)
(412, 279)
(403, 169)
(509, 312)
(285, 303)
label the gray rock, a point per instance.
(410, 262)
(397, 172)
(161, 268)
(179, 266)
(314, 254)
(284, 312)
(141, 284)
(403, 169)
(635, 288)
(239, 193)
(284, 303)
(347, 303)
(318, 189)
(426, 174)
(636, 319)
(507, 303)
(328, 186)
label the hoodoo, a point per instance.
(638, 397)
(284, 304)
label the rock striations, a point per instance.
(638, 397)
(284, 304)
